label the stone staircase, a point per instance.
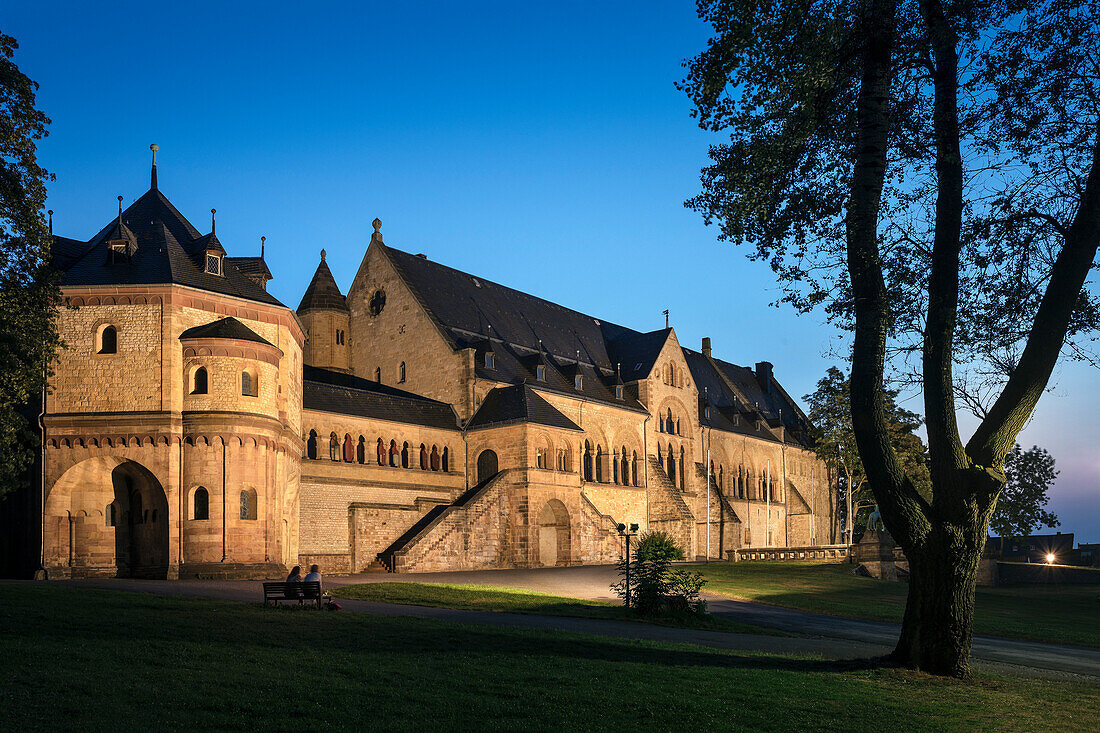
(668, 512)
(470, 532)
(725, 524)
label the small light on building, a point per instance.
(1050, 558)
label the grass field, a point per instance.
(517, 600)
(77, 659)
(1065, 614)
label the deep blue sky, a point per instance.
(543, 146)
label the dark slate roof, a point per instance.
(345, 394)
(516, 404)
(251, 266)
(64, 252)
(737, 399)
(472, 312)
(323, 293)
(464, 307)
(169, 251)
(226, 328)
(637, 352)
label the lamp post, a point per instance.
(626, 533)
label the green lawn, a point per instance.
(78, 659)
(518, 600)
(1064, 614)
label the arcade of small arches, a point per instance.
(602, 466)
(136, 441)
(391, 454)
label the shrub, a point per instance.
(655, 587)
(657, 545)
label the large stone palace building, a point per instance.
(428, 419)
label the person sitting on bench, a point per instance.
(314, 576)
(294, 577)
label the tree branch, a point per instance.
(997, 433)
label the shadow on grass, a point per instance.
(146, 621)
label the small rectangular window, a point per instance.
(578, 382)
(490, 360)
(618, 391)
(540, 373)
(213, 264)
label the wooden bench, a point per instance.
(277, 590)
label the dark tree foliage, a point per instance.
(1020, 508)
(29, 294)
(830, 412)
(927, 172)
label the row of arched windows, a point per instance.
(199, 383)
(744, 485)
(674, 466)
(350, 450)
(602, 466)
(666, 423)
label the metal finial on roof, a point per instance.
(377, 236)
(50, 212)
(213, 212)
(119, 209)
(322, 255)
(263, 240)
(153, 173)
(665, 311)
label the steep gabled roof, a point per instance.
(169, 251)
(225, 328)
(637, 352)
(518, 404)
(344, 394)
(323, 293)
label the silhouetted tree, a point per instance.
(1028, 476)
(29, 293)
(928, 173)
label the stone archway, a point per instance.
(107, 516)
(554, 544)
(487, 466)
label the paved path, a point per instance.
(829, 636)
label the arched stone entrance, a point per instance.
(486, 465)
(107, 516)
(554, 545)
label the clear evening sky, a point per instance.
(540, 145)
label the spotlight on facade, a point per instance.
(1050, 558)
(621, 527)
(634, 527)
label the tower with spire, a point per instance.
(325, 316)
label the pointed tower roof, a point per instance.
(165, 247)
(323, 293)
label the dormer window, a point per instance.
(618, 391)
(118, 253)
(578, 382)
(490, 360)
(213, 264)
(540, 373)
(706, 412)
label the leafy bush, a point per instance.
(656, 588)
(657, 545)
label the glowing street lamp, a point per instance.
(1050, 558)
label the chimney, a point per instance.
(706, 346)
(764, 376)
